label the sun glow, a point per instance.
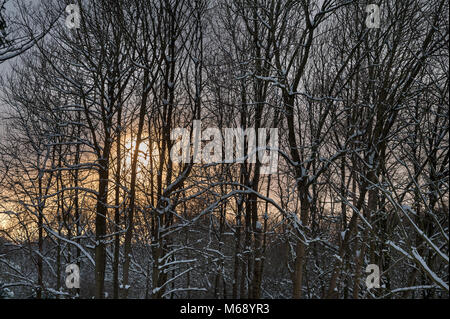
(145, 151)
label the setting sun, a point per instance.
(144, 151)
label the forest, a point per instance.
(224, 149)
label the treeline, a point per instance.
(86, 175)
